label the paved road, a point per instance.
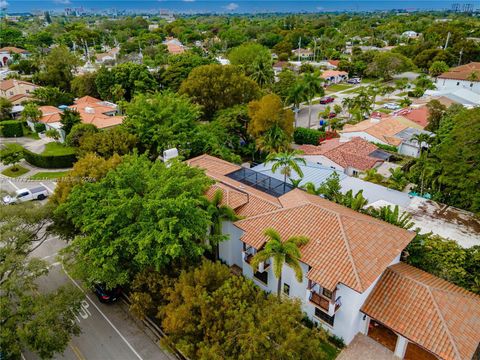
(108, 330)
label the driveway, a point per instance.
(364, 348)
(36, 146)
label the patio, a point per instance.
(365, 348)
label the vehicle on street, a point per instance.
(354, 81)
(327, 100)
(22, 195)
(391, 106)
(332, 115)
(107, 295)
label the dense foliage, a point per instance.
(141, 214)
(208, 313)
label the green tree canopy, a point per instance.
(83, 85)
(11, 154)
(180, 66)
(108, 142)
(57, 70)
(216, 87)
(52, 96)
(69, 118)
(31, 112)
(141, 214)
(41, 322)
(5, 108)
(386, 64)
(78, 131)
(162, 121)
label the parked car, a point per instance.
(106, 295)
(327, 100)
(354, 81)
(391, 106)
(22, 195)
(332, 115)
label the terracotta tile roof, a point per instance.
(12, 49)
(87, 100)
(462, 72)
(231, 197)
(258, 201)
(330, 73)
(19, 97)
(50, 114)
(320, 149)
(382, 129)
(175, 49)
(439, 316)
(353, 153)
(345, 246)
(334, 62)
(213, 164)
(101, 121)
(417, 115)
(10, 83)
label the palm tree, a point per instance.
(421, 139)
(313, 87)
(286, 162)
(274, 140)
(373, 176)
(282, 252)
(296, 96)
(262, 73)
(356, 202)
(394, 217)
(218, 214)
(397, 179)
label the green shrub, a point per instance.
(50, 161)
(39, 127)
(337, 341)
(390, 148)
(307, 136)
(11, 128)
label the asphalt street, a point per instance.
(108, 331)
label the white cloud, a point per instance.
(3, 4)
(231, 7)
(62, 2)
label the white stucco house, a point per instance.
(465, 76)
(345, 265)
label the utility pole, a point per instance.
(446, 42)
(299, 44)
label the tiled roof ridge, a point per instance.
(274, 212)
(444, 323)
(463, 293)
(349, 251)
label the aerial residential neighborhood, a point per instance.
(190, 180)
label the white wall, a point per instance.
(322, 160)
(452, 84)
(363, 135)
(348, 319)
(230, 250)
(409, 150)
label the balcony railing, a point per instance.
(327, 305)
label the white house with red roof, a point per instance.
(348, 267)
(352, 156)
(7, 53)
(334, 76)
(465, 76)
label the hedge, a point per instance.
(11, 128)
(387, 147)
(307, 136)
(50, 161)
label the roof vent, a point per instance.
(170, 154)
(89, 110)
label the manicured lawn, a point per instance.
(354, 90)
(337, 87)
(44, 175)
(55, 148)
(19, 172)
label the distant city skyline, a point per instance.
(229, 6)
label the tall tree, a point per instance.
(437, 68)
(31, 112)
(58, 68)
(12, 154)
(162, 121)
(313, 87)
(216, 87)
(286, 162)
(69, 118)
(436, 111)
(282, 252)
(42, 322)
(5, 108)
(218, 213)
(146, 215)
(270, 122)
(296, 96)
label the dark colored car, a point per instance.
(107, 295)
(332, 115)
(327, 100)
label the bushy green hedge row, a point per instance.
(387, 147)
(50, 161)
(39, 127)
(307, 136)
(11, 128)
